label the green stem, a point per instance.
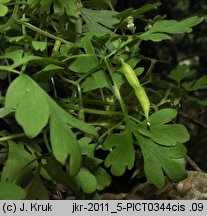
(88, 74)
(40, 31)
(5, 68)
(13, 136)
(93, 111)
(24, 32)
(107, 125)
(108, 131)
(77, 86)
(82, 56)
(116, 92)
(46, 141)
(56, 47)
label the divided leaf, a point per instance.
(137, 12)
(18, 162)
(181, 72)
(86, 148)
(161, 159)
(39, 45)
(199, 84)
(122, 154)
(161, 28)
(161, 133)
(99, 21)
(167, 135)
(18, 58)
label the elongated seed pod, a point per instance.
(139, 90)
(144, 101)
(130, 75)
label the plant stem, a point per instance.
(109, 131)
(46, 141)
(40, 31)
(78, 88)
(116, 92)
(107, 125)
(12, 137)
(5, 68)
(93, 111)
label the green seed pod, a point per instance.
(144, 101)
(139, 90)
(130, 75)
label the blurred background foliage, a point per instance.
(189, 49)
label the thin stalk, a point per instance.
(24, 32)
(81, 56)
(93, 111)
(108, 131)
(46, 141)
(40, 31)
(78, 88)
(116, 92)
(107, 125)
(5, 68)
(13, 136)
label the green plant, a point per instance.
(64, 97)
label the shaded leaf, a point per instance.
(121, 154)
(181, 72)
(170, 27)
(3, 10)
(64, 143)
(32, 111)
(86, 148)
(159, 158)
(167, 135)
(18, 58)
(95, 81)
(5, 111)
(157, 37)
(137, 12)
(101, 20)
(36, 189)
(39, 45)
(162, 116)
(102, 177)
(18, 162)
(86, 180)
(85, 63)
(10, 191)
(199, 84)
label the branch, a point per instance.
(192, 119)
